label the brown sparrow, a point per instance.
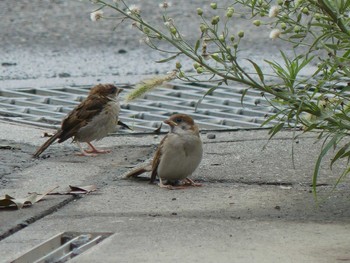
(178, 154)
(91, 120)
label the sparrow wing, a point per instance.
(156, 160)
(82, 115)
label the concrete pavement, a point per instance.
(253, 206)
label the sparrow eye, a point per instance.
(178, 120)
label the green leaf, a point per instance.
(258, 70)
(168, 59)
(207, 93)
(243, 95)
(324, 151)
(297, 36)
(340, 153)
(275, 129)
(197, 46)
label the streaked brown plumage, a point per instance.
(178, 154)
(91, 120)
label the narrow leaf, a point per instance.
(168, 59)
(276, 129)
(197, 46)
(319, 160)
(258, 70)
(340, 153)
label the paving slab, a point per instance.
(253, 205)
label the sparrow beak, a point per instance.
(170, 123)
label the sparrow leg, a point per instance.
(190, 182)
(94, 150)
(83, 152)
(170, 187)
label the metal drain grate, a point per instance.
(62, 247)
(220, 110)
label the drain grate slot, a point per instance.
(62, 247)
(222, 109)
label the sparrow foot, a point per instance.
(97, 151)
(190, 182)
(87, 154)
(170, 187)
(94, 150)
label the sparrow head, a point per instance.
(181, 122)
(106, 90)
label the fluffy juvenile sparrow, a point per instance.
(178, 154)
(91, 120)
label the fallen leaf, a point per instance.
(74, 190)
(82, 189)
(8, 201)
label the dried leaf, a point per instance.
(8, 201)
(82, 189)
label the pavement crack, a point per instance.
(37, 217)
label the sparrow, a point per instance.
(177, 156)
(92, 119)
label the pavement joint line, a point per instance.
(31, 220)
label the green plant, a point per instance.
(316, 30)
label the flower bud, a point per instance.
(173, 30)
(297, 29)
(241, 34)
(146, 30)
(178, 65)
(230, 12)
(257, 22)
(221, 38)
(215, 56)
(215, 20)
(196, 65)
(213, 5)
(199, 11)
(305, 10)
(200, 70)
(283, 26)
(232, 38)
(203, 27)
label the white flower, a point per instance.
(274, 10)
(96, 15)
(169, 22)
(145, 40)
(165, 5)
(275, 33)
(133, 9)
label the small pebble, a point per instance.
(211, 136)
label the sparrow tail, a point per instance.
(47, 144)
(140, 169)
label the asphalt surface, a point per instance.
(254, 205)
